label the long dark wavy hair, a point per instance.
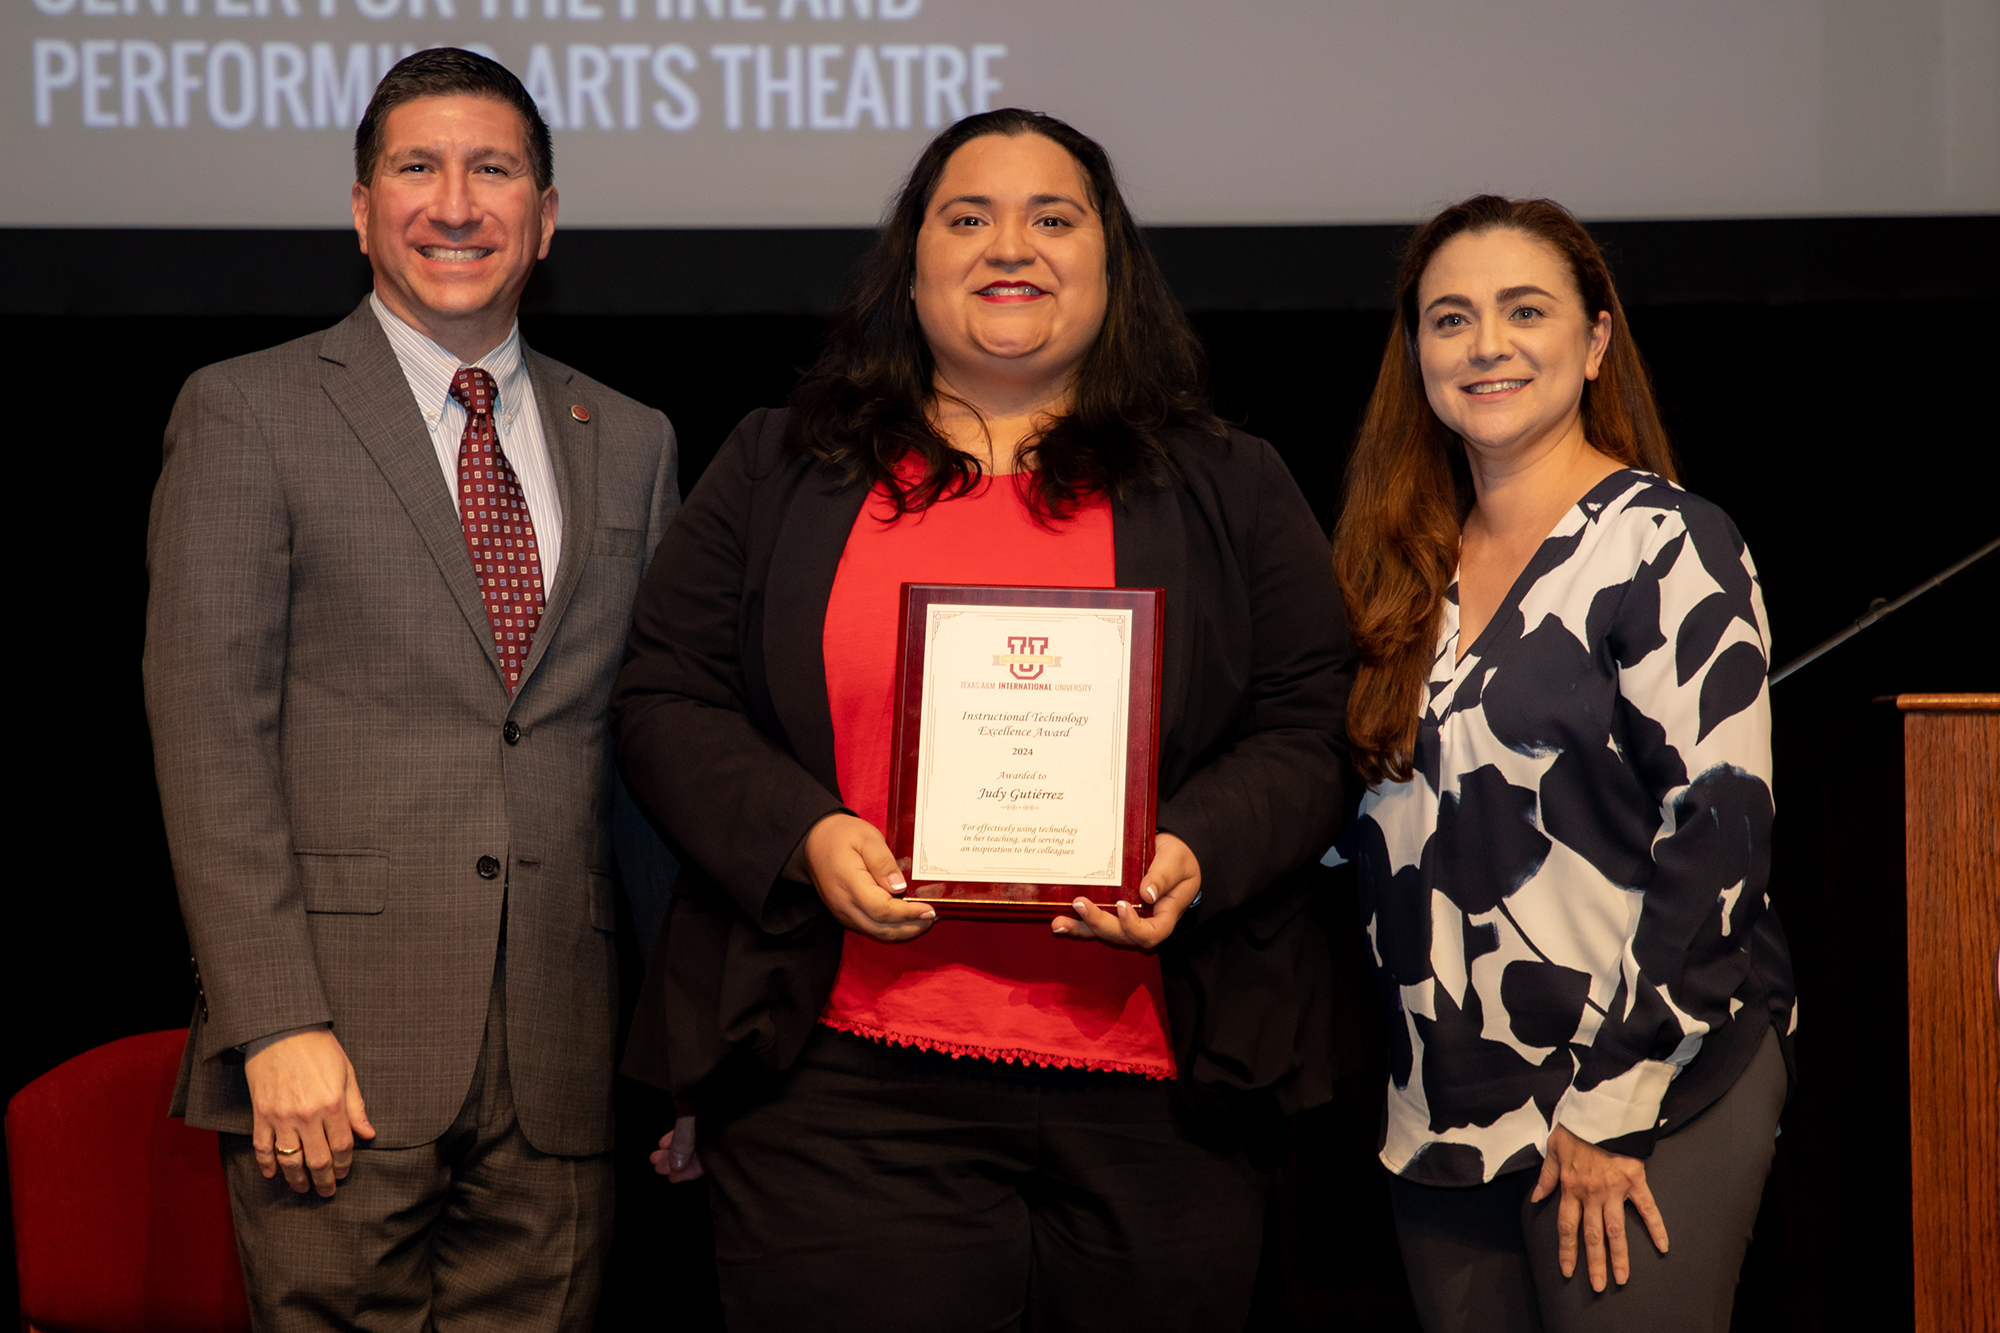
(864, 405)
(1408, 488)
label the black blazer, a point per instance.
(726, 741)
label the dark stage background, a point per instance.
(1817, 377)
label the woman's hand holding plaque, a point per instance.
(848, 862)
(1172, 883)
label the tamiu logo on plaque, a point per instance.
(1026, 656)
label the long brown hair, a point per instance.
(1408, 488)
(863, 406)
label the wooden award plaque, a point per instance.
(1026, 759)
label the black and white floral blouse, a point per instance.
(1566, 900)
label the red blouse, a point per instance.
(998, 991)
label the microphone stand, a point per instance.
(1879, 608)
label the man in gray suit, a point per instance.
(392, 568)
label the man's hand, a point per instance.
(1595, 1187)
(1170, 886)
(305, 1099)
(848, 861)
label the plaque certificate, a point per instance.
(1026, 748)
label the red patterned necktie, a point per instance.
(499, 534)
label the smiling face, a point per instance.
(452, 221)
(1505, 342)
(1010, 283)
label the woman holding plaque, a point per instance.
(911, 1119)
(1562, 708)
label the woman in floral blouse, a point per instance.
(1563, 714)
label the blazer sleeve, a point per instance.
(218, 555)
(1266, 802)
(666, 500)
(648, 870)
(719, 782)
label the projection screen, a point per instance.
(731, 113)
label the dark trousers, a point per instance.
(1483, 1260)
(474, 1231)
(887, 1189)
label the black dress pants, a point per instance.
(884, 1188)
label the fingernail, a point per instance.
(1058, 927)
(1124, 908)
(1149, 893)
(677, 1161)
(930, 914)
(1081, 904)
(897, 883)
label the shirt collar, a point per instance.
(430, 369)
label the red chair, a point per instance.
(121, 1216)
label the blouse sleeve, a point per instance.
(1690, 641)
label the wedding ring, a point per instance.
(287, 1152)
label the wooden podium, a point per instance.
(1951, 811)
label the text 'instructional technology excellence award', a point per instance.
(1027, 745)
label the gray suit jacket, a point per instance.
(337, 755)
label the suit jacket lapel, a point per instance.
(572, 448)
(812, 533)
(366, 383)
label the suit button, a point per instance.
(488, 868)
(511, 733)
